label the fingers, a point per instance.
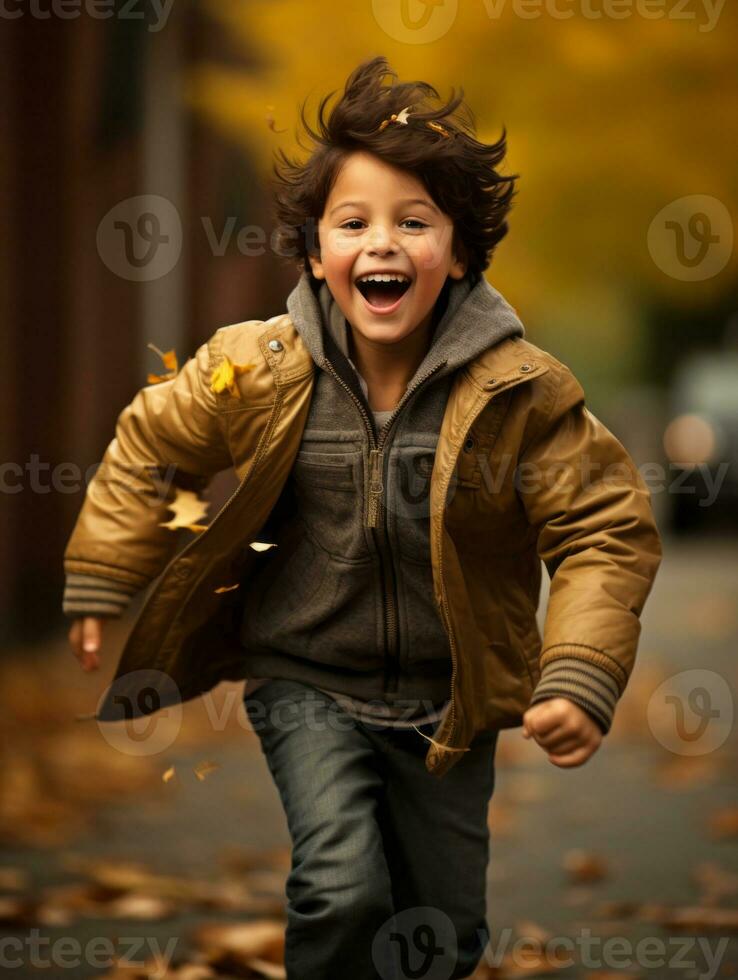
(572, 758)
(85, 637)
(564, 730)
(553, 722)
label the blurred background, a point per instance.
(137, 141)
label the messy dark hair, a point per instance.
(457, 170)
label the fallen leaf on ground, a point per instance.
(585, 866)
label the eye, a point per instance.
(352, 221)
(420, 224)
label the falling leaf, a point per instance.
(170, 362)
(261, 546)
(224, 376)
(168, 774)
(197, 527)
(203, 769)
(271, 121)
(188, 509)
(227, 588)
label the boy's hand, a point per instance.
(85, 637)
(567, 732)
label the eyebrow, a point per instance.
(408, 200)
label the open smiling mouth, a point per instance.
(383, 297)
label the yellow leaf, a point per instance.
(197, 527)
(227, 588)
(224, 376)
(188, 509)
(170, 362)
(166, 776)
(271, 121)
(262, 545)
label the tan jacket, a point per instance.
(523, 472)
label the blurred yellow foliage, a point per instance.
(608, 120)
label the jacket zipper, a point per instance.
(379, 528)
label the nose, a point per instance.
(380, 240)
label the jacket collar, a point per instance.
(471, 318)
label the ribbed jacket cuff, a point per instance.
(93, 595)
(582, 682)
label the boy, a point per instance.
(413, 458)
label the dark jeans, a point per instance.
(389, 863)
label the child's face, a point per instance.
(382, 219)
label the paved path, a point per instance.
(639, 807)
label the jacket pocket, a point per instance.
(329, 502)
(323, 470)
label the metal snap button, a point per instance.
(469, 445)
(275, 345)
(526, 367)
(490, 382)
(182, 571)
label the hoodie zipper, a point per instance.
(379, 527)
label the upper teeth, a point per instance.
(384, 277)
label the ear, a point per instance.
(317, 266)
(458, 268)
(460, 262)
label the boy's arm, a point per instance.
(170, 436)
(599, 541)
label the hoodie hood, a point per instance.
(470, 318)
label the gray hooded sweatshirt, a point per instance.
(339, 604)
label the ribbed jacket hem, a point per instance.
(93, 595)
(582, 682)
